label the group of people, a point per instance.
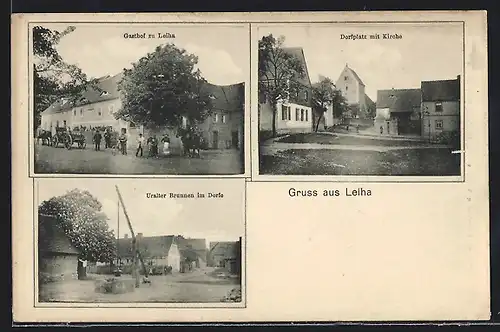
(153, 143)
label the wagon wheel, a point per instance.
(68, 141)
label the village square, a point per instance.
(169, 109)
(312, 123)
(92, 251)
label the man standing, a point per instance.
(123, 142)
(140, 144)
(97, 140)
(107, 139)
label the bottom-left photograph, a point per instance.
(167, 241)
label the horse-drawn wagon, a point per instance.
(67, 139)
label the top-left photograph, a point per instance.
(137, 99)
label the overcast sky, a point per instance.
(426, 52)
(212, 219)
(101, 49)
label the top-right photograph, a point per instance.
(361, 99)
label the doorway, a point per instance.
(215, 140)
(234, 139)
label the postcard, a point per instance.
(250, 167)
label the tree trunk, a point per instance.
(317, 123)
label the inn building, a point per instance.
(222, 129)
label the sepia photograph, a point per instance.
(125, 99)
(148, 241)
(360, 99)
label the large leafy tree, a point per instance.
(162, 88)
(325, 95)
(79, 215)
(53, 78)
(279, 72)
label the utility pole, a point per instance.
(135, 250)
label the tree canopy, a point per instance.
(326, 95)
(53, 78)
(279, 72)
(79, 215)
(163, 87)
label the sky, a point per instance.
(212, 219)
(426, 52)
(100, 49)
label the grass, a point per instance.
(422, 162)
(315, 138)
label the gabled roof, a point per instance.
(151, 246)
(369, 101)
(399, 100)
(298, 52)
(228, 249)
(356, 76)
(52, 238)
(227, 97)
(443, 90)
(108, 85)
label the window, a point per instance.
(81, 112)
(302, 115)
(104, 93)
(283, 112)
(99, 111)
(223, 118)
(345, 78)
(111, 109)
(307, 115)
(289, 113)
(74, 112)
(346, 88)
(296, 114)
(216, 117)
(57, 124)
(306, 95)
(439, 106)
(439, 124)
(64, 123)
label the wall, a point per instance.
(450, 117)
(59, 265)
(224, 123)
(389, 127)
(174, 258)
(265, 116)
(383, 114)
(349, 87)
(294, 124)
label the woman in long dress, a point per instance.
(166, 145)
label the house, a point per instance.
(155, 250)
(353, 90)
(221, 252)
(398, 112)
(294, 112)
(222, 130)
(196, 250)
(56, 254)
(440, 107)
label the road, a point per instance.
(194, 287)
(60, 160)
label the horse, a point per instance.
(191, 142)
(45, 136)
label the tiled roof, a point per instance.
(227, 249)
(159, 246)
(227, 97)
(399, 100)
(444, 90)
(298, 52)
(108, 85)
(51, 237)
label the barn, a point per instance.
(57, 257)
